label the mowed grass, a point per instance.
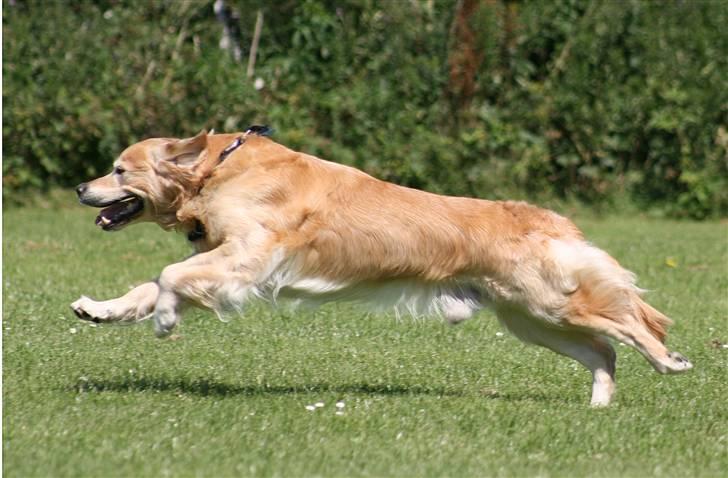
(421, 398)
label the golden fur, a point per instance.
(282, 224)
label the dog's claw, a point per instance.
(679, 364)
(80, 313)
(79, 309)
(83, 315)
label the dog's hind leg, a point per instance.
(134, 306)
(606, 301)
(592, 351)
(632, 332)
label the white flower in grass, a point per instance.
(310, 408)
(499, 334)
(319, 404)
(339, 412)
(73, 330)
(340, 405)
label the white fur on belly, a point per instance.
(454, 301)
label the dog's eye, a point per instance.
(119, 170)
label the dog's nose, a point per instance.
(81, 188)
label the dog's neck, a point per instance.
(179, 210)
(191, 181)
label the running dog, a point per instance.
(269, 222)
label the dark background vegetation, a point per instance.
(603, 102)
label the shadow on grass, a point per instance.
(212, 388)
(207, 388)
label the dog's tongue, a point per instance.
(106, 215)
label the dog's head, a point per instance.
(149, 182)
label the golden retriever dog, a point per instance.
(268, 222)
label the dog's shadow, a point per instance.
(211, 388)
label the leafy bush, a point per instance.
(587, 100)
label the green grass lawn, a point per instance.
(420, 398)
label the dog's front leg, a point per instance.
(134, 306)
(217, 280)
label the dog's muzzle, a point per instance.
(117, 212)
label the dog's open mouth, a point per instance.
(120, 213)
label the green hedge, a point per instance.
(594, 101)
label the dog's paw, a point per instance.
(165, 321)
(92, 311)
(678, 363)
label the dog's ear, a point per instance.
(186, 152)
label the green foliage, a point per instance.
(571, 99)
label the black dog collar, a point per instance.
(197, 233)
(258, 130)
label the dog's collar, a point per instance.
(233, 146)
(258, 130)
(197, 233)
